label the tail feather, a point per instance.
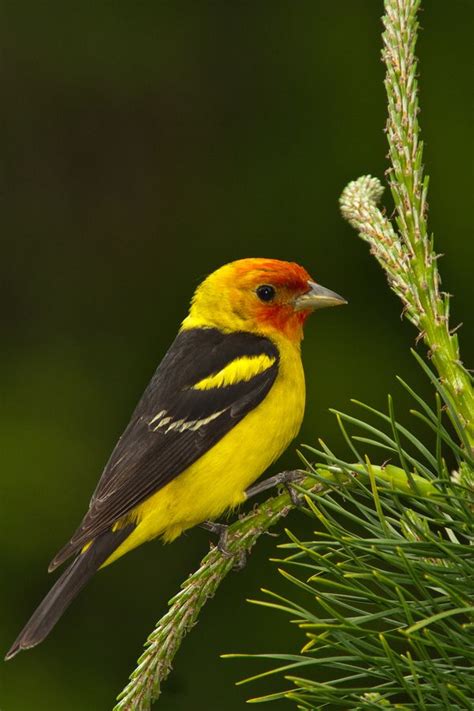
(66, 588)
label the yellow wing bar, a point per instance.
(237, 371)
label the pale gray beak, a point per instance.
(318, 297)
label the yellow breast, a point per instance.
(217, 481)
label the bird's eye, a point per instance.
(266, 292)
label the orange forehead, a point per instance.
(272, 271)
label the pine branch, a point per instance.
(156, 662)
(163, 643)
(408, 257)
(388, 579)
(382, 593)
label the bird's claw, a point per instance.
(296, 498)
(221, 529)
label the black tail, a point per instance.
(66, 588)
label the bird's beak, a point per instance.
(317, 297)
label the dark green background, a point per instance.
(143, 145)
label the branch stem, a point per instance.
(155, 663)
(161, 646)
(408, 257)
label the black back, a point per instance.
(173, 425)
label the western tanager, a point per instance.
(224, 403)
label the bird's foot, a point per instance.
(283, 479)
(221, 529)
(296, 498)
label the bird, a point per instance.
(226, 400)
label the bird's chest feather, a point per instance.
(219, 478)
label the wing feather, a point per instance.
(175, 423)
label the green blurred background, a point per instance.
(143, 145)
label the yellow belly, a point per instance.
(217, 481)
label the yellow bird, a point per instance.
(224, 403)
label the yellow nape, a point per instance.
(239, 370)
(217, 481)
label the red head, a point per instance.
(265, 296)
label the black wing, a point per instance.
(173, 425)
